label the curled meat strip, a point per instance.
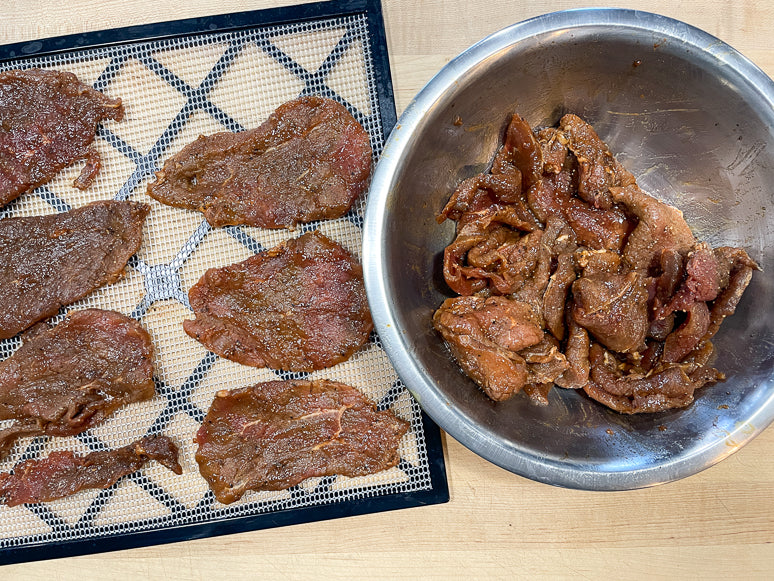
(64, 473)
(686, 337)
(521, 150)
(669, 386)
(598, 169)
(545, 363)
(660, 227)
(577, 353)
(556, 294)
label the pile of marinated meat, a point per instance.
(568, 274)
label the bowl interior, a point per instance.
(692, 119)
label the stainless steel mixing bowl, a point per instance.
(692, 119)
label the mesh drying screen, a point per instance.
(174, 90)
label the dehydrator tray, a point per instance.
(179, 80)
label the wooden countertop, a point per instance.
(716, 524)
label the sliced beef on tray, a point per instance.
(274, 435)
(67, 379)
(49, 120)
(299, 306)
(54, 260)
(309, 161)
(64, 473)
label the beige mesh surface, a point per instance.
(173, 91)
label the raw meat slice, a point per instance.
(271, 436)
(309, 161)
(485, 336)
(300, 306)
(64, 473)
(51, 261)
(661, 228)
(49, 120)
(613, 308)
(598, 169)
(70, 378)
(666, 387)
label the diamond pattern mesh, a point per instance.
(173, 91)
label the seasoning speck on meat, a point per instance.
(64, 473)
(48, 120)
(54, 260)
(606, 287)
(299, 306)
(273, 435)
(67, 379)
(309, 161)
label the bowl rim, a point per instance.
(395, 343)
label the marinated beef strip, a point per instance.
(660, 228)
(605, 286)
(274, 435)
(577, 353)
(613, 308)
(54, 260)
(736, 273)
(299, 306)
(598, 170)
(555, 296)
(485, 337)
(62, 474)
(309, 161)
(545, 362)
(69, 378)
(665, 387)
(48, 121)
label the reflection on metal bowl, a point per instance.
(693, 120)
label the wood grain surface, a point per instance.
(716, 524)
